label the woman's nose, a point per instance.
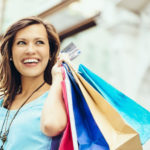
(31, 48)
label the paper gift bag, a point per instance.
(88, 134)
(117, 133)
(134, 114)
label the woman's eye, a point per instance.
(39, 42)
(21, 43)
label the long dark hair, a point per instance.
(10, 80)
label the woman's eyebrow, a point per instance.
(20, 39)
(24, 39)
(37, 38)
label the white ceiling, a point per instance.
(134, 5)
(84, 8)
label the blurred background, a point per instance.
(113, 36)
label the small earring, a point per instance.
(10, 59)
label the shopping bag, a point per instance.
(55, 142)
(117, 133)
(134, 114)
(88, 133)
(68, 102)
(66, 142)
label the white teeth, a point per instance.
(31, 61)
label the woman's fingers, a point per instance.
(56, 70)
(60, 59)
(63, 58)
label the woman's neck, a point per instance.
(30, 84)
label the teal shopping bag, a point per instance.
(134, 114)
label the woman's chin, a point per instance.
(32, 74)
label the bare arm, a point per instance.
(54, 119)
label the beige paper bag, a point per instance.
(117, 133)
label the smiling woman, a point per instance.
(30, 51)
(32, 108)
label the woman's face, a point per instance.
(30, 51)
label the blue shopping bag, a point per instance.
(134, 114)
(55, 142)
(88, 134)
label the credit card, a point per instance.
(71, 50)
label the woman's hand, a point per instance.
(56, 69)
